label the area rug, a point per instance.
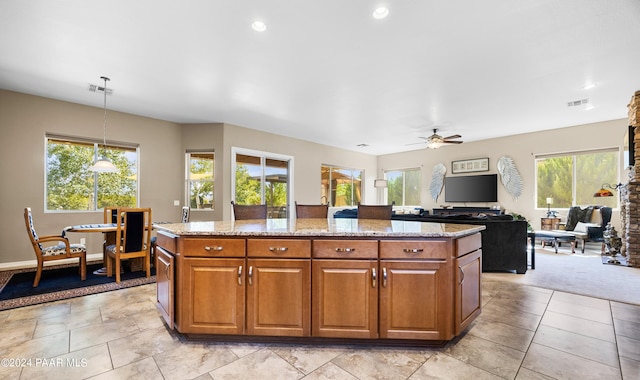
(578, 273)
(60, 282)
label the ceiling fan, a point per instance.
(435, 141)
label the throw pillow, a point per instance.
(577, 214)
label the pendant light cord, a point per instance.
(104, 127)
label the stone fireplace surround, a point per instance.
(630, 193)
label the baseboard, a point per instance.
(34, 263)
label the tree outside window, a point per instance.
(403, 187)
(71, 186)
(200, 180)
(572, 179)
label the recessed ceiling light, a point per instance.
(589, 107)
(588, 86)
(259, 26)
(381, 13)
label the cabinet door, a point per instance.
(345, 298)
(468, 289)
(279, 297)
(212, 296)
(165, 284)
(415, 300)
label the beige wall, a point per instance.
(25, 119)
(523, 149)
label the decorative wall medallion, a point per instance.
(437, 180)
(510, 176)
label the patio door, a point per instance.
(262, 178)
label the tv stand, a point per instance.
(470, 211)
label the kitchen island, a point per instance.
(319, 280)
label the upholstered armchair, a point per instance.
(588, 224)
(61, 250)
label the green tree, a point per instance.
(247, 188)
(71, 185)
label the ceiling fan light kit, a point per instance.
(435, 141)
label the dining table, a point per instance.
(109, 231)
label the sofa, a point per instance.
(504, 241)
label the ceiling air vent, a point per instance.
(99, 89)
(576, 103)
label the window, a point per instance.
(403, 187)
(341, 186)
(572, 179)
(200, 182)
(263, 178)
(71, 186)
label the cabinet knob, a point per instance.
(240, 275)
(208, 249)
(345, 250)
(384, 277)
(373, 277)
(278, 249)
(413, 250)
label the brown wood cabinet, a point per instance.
(278, 287)
(165, 264)
(344, 290)
(549, 224)
(319, 287)
(211, 296)
(468, 289)
(414, 301)
(414, 288)
(345, 298)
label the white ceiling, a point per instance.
(327, 71)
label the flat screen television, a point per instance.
(471, 188)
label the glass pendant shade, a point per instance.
(103, 165)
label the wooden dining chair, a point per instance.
(244, 212)
(375, 212)
(133, 239)
(311, 211)
(62, 250)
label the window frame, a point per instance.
(264, 156)
(189, 180)
(98, 146)
(329, 196)
(404, 184)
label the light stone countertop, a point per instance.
(321, 227)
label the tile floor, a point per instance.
(524, 332)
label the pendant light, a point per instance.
(104, 165)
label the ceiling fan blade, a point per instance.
(453, 137)
(421, 142)
(451, 142)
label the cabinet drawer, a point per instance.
(289, 248)
(468, 244)
(166, 241)
(351, 249)
(203, 247)
(414, 249)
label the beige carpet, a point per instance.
(578, 273)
